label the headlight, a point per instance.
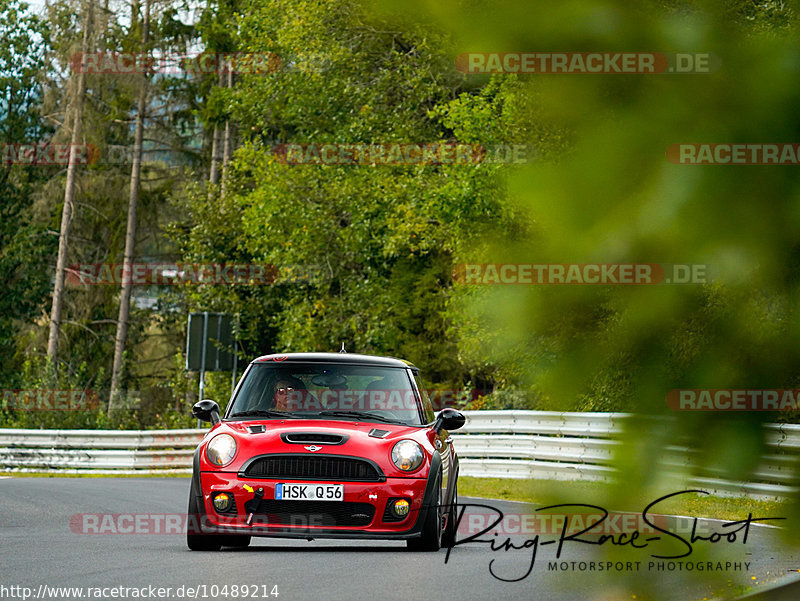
(407, 455)
(221, 449)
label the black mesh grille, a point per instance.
(302, 514)
(296, 467)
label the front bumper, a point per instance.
(307, 525)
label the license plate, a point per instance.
(309, 492)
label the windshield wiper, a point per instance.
(356, 414)
(264, 413)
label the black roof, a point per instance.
(342, 358)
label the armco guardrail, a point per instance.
(504, 444)
(582, 446)
(99, 451)
(538, 444)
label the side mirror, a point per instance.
(449, 419)
(206, 411)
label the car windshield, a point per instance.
(327, 391)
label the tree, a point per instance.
(69, 191)
(365, 252)
(130, 235)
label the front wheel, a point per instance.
(431, 539)
(200, 542)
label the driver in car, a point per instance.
(284, 389)
(290, 394)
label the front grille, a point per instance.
(302, 514)
(301, 467)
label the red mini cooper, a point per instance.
(325, 445)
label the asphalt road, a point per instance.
(43, 544)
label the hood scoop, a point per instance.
(313, 438)
(378, 433)
(257, 429)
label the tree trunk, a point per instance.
(229, 135)
(69, 197)
(217, 142)
(130, 235)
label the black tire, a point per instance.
(449, 535)
(431, 539)
(200, 542)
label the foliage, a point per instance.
(373, 245)
(366, 252)
(25, 247)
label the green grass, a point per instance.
(543, 492)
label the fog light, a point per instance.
(222, 501)
(400, 508)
